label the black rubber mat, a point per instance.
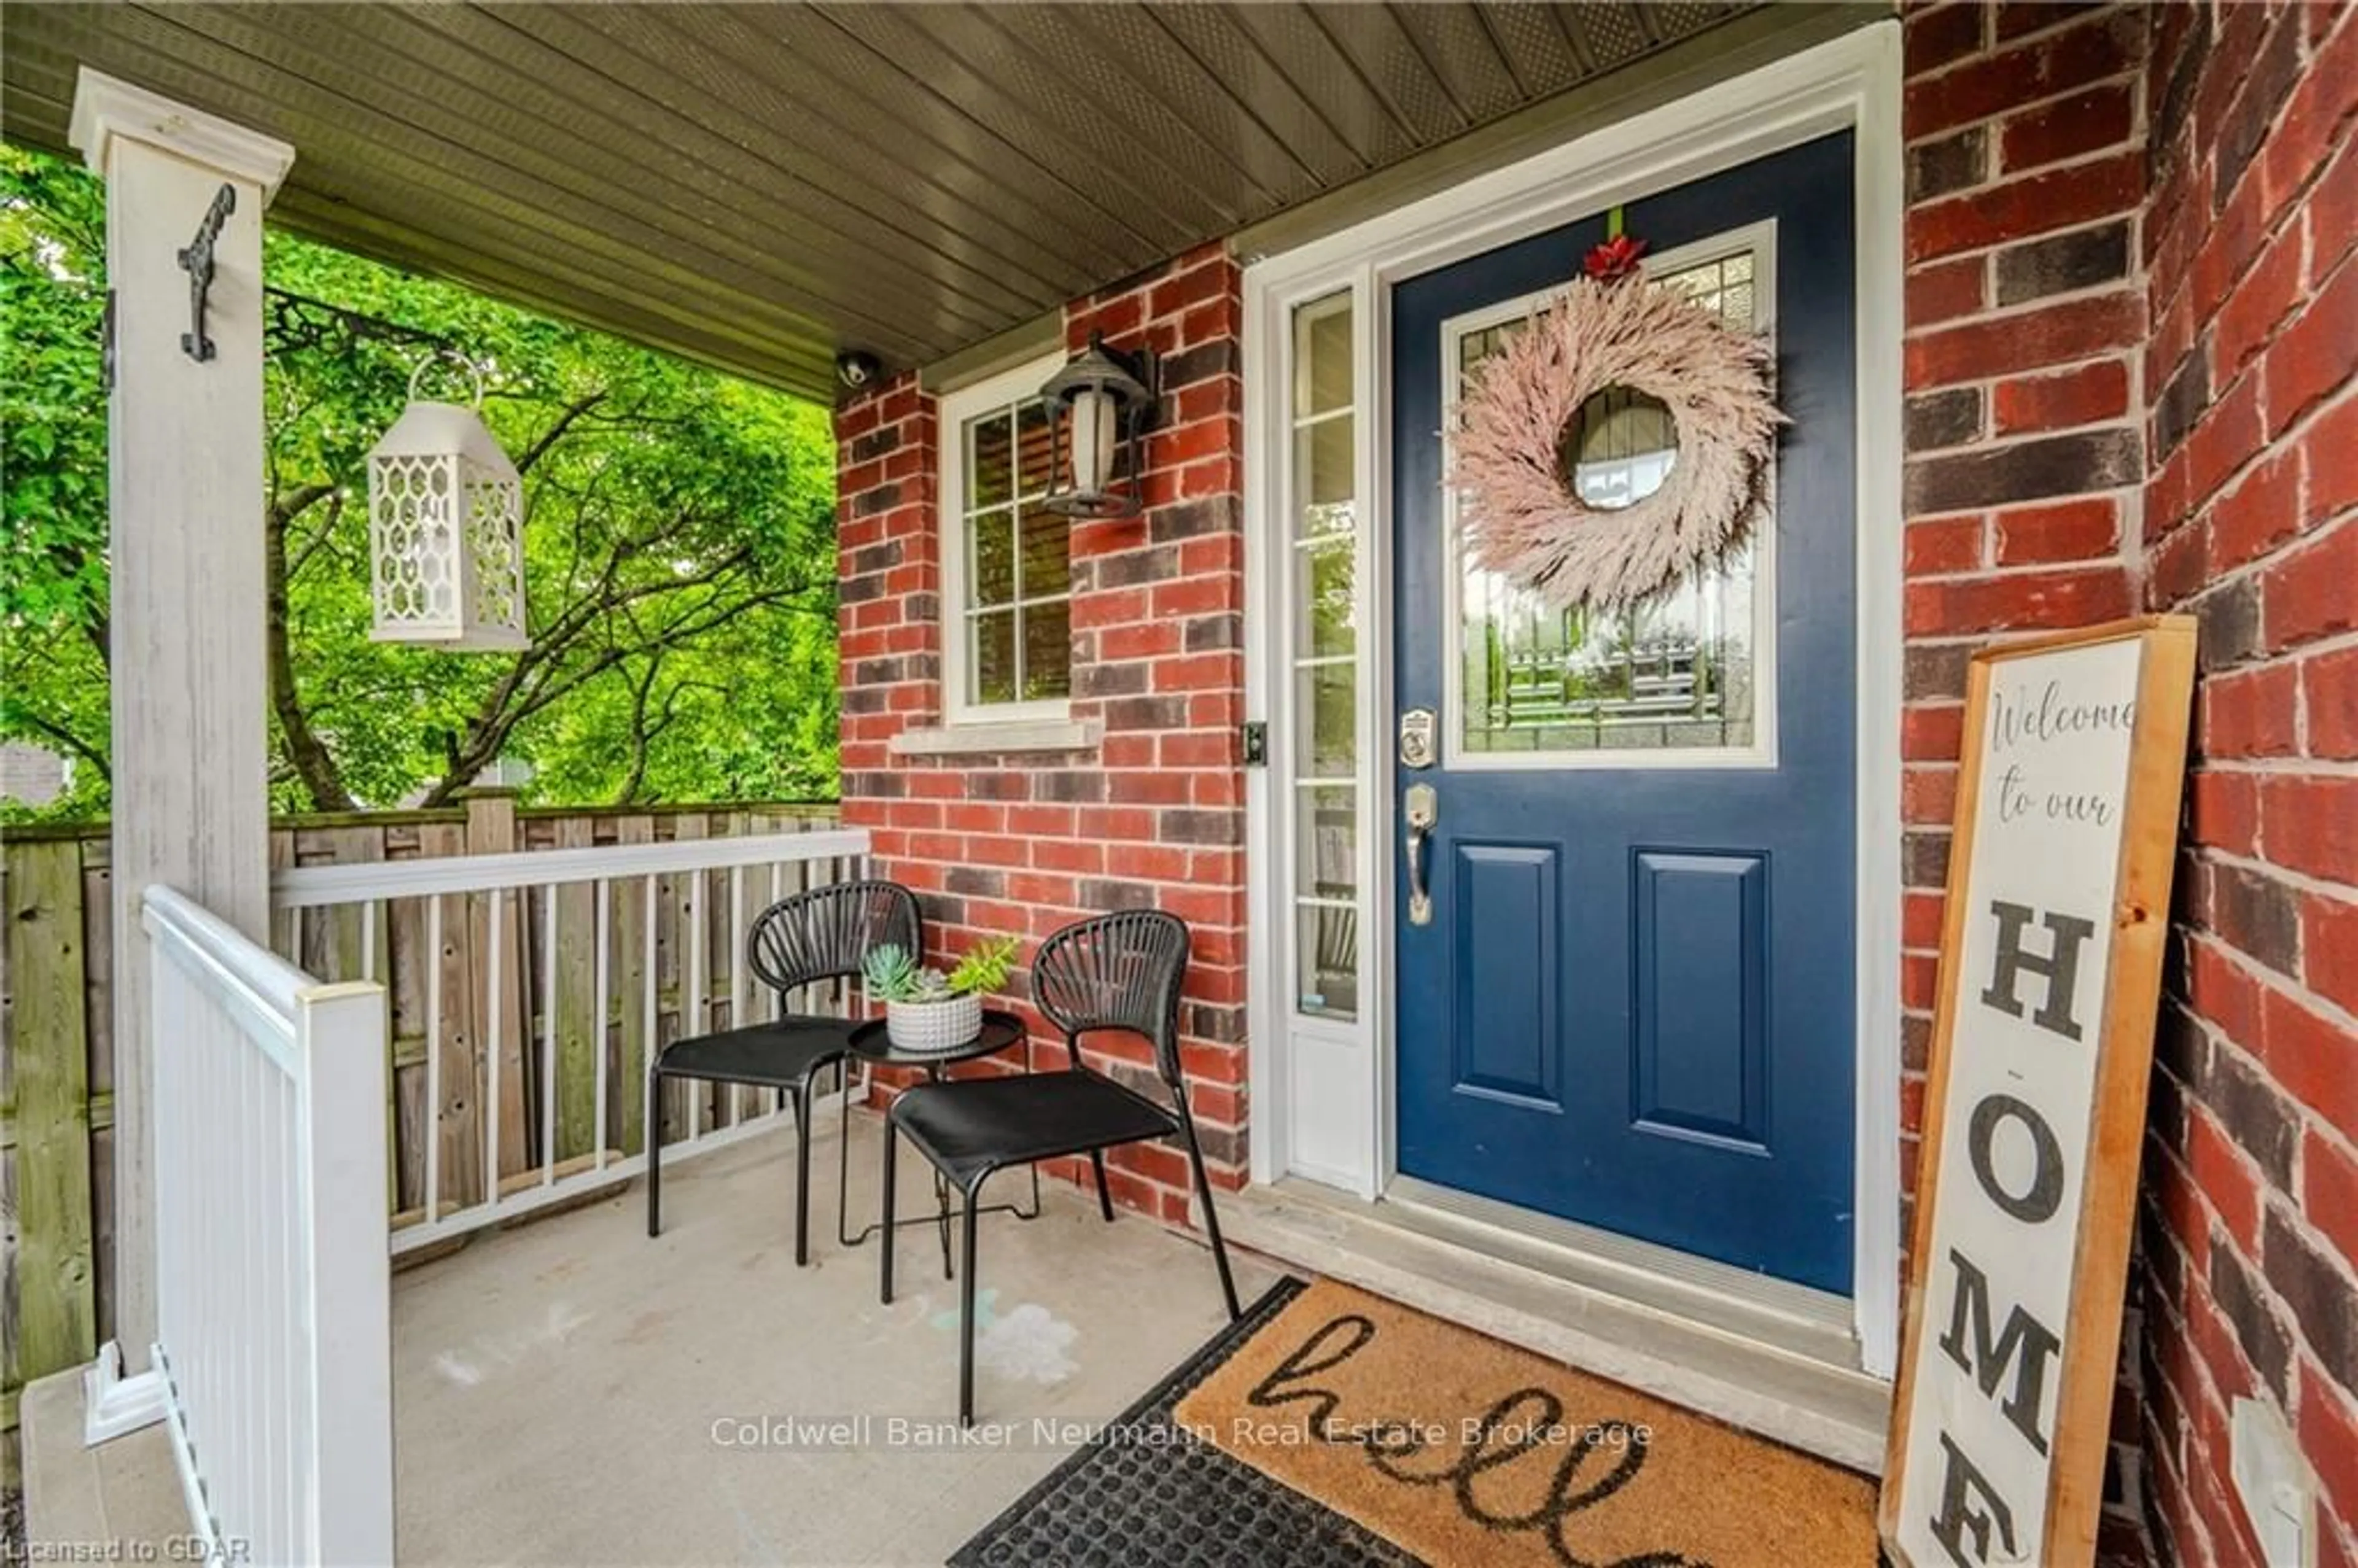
(1144, 1494)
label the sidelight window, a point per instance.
(1323, 556)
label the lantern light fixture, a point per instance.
(1101, 406)
(445, 527)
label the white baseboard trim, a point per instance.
(114, 1405)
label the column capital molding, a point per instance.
(106, 108)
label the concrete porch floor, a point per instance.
(559, 1388)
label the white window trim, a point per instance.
(1018, 724)
(987, 737)
(1318, 1086)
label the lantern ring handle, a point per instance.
(474, 372)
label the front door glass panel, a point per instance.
(1681, 673)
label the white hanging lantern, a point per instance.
(446, 529)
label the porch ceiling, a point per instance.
(755, 187)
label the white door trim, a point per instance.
(1321, 1090)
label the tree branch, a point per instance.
(556, 431)
(525, 690)
(306, 752)
(297, 501)
(69, 740)
(640, 734)
(320, 540)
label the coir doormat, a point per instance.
(1466, 1451)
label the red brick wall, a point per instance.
(2250, 1245)
(2026, 130)
(2026, 174)
(1153, 815)
(2132, 324)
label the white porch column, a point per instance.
(185, 500)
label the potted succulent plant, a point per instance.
(926, 1011)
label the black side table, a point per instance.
(872, 1042)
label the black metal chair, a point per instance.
(825, 934)
(1113, 971)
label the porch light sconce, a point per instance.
(445, 527)
(1101, 406)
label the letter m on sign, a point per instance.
(2025, 1344)
(2060, 968)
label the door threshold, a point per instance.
(1742, 1302)
(1764, 1368)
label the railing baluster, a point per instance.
(549, 905)
(242, 1358)
(777, 892)
(737, 1020)
(216, 1304)
(695, 1018)
(431, 1132)
(495, 1039)
(601, 1038)
(778, 1004)
(279, 1288)
(652, 1129)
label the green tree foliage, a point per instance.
(679, 540)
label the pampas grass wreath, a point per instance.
(1518, 516)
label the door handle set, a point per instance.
(1423, 811)
(1424, 808)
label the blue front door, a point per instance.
(1631, 1004)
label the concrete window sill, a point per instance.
(1000, 736)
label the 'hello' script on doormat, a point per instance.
(1463, 1450)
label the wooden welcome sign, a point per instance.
(2050, 969)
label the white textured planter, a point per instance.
(930, 1028)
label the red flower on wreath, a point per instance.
(1616, 259)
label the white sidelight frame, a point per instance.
(1322, 1091)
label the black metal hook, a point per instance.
(197, 261)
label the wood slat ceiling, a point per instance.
(758, 185)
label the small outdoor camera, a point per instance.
(857, 369)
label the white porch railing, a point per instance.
(567, 996)
(273, 1321)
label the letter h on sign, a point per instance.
(2060, 968)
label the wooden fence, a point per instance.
(57, 1081)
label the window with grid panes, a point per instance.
(1009, 557)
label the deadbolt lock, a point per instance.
(1416, 737)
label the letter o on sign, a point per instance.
(2039, 1203)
